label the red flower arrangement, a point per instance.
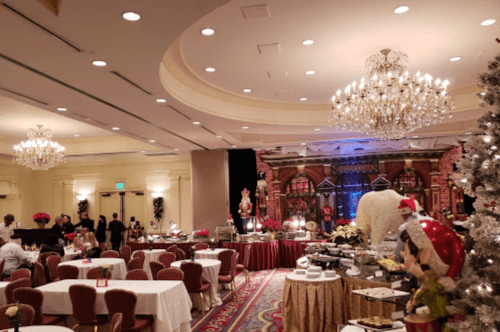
(342, 222)
(202, 233)
(41, 218)
(270, 225)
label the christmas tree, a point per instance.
(477, 295)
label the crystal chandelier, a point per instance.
(391, 102)
(39, 152)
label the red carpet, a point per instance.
(258, 307)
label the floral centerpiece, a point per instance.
(348, 234)
(192, 251)
(105, 270)
(14, 317)
(212, 243)
(202, 233)
(270, 225)
(41, 218)
(342, 222)
(87, 253)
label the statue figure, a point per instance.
(261, 193)
(245, 207)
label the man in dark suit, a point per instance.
(116, 227)
(86, 222)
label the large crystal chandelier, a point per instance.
(39, 152)
(391, 102)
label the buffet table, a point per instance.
(291, 250)
(145, 246)
(264, 255)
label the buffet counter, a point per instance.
(264, 255)
(181, 245)
(291, 250)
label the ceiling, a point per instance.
(46, 63)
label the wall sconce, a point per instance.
(156, 194)
(81, 197)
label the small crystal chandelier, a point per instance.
(39, 152)
(391, 102)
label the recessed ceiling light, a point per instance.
(244, 127)
(99, 63)
(303, 99)
(456, 58)
(207, 32)
(302, 143)
(161, 100)
(310, 72)
(468, 133)
(152, 141)
(210, 69)
(488, 22)
(115, 128)
(143, 151)
(76, 135)
(308, 42)
(317, 129)
(233, 146)
(247, 90)
(196, 122)
(62, 109)
(176, 149)
(131, 16)
(218, 136)
(401, 9)
(414, 136)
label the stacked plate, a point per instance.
(313, 274)
(330, 273)
(299, 271)
(316, 269)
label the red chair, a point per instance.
(67, 272)
(181, 255)
(39, 274)
(201, 246)
(173, 249)
(83, 299)
(52, 263)
(135, 264)
(194, 282)
(116, 322)
(155, 267)
(136, 275)
(140, 254)
(110, 254)
(229, 278)
(103, 246)
(42, 258)
(27, 315)
(119, 300)
(34, 298)
(246, 260)
(95, 273)
(2, 263)
(225, 259)
(9, 289)
(126, 253)
(166, 258)
(21, 273)
(170, 273)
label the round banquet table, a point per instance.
(312, 304)
(208, 253)
(42, 328)
(69, 254)
(211, 269)
(119, 270)
(3, 298)
(151, 256)
(291, 250)
(263, 256)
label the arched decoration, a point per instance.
(350, 186)
(300, 192)
(410, 183)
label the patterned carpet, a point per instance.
(258, 307)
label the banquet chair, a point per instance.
(21, 273)
(140, 254)
(194, 282)
(135, 263)
(67, 272)
(34, 298)
(120, 300)
(39, 274)
(126, 252)
(52, 263)
(9, 289)
(83, 300)
(103, 246)
(229, 278)
(136, 275)
(27, 315)
(244, 267)
(170, 273)
(2, 263)
(110, 254)
(225, 260)
(180, 254)
(155, 267)
(201, 246)
(116, 322)
(42, 259)
(172, 249)
(166, 258)
(95, 273)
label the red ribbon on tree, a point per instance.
(493, 204)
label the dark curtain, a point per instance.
(242, 165)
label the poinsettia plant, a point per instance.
(342, 222)
(270, 225)
(202, 233)
(41, 218)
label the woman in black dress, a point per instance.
(101, 229)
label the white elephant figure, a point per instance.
(377, 214)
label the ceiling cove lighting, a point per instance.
(39, 152)
(401, 9)
(131, 16)
(207, 32)
(390, 102)
(99, 63)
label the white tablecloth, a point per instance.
(167, 301)
(69, 254)
(151, 256)
(3, 299)
(119, 269)
(211, 269)
(43, 328)
(208, 253)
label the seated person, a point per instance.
(91, 243)
(14, 256)
(57, 228)
(80, 238)
(52, 245)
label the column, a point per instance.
(58, 197)
(276, 195)
(172, 204)
(434, 200)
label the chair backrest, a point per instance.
(2, 263)
(225, 259)
(95, 273)
(42, 258)
(192, 272)
(136, 275)
(135, 263)
(39, 274)
(170, 273)
(126, 253)
(27, 315)
(246, 259)
(21, 273)
(103, 247)
(83, 299)
(166, 258)
(52, 262)
(155, 267)
(181, 255)
(110, 254)
(139, 253)
(9, 289)
(119, 300)
(34, 298)
(172, 248)
(116, 322)
(201, 246)
(67, 272)
(234, 263)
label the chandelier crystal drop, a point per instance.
(39, 152)
(391, 102)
